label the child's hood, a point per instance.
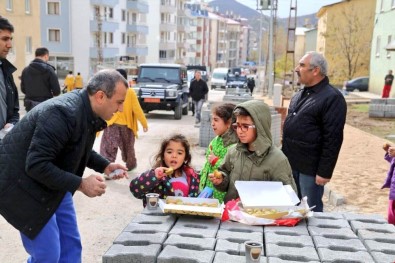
(260, 113)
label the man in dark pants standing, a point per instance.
(198, 91)
(39, 81)
(387, 85)
(313, 129)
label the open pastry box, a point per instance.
(191, 206)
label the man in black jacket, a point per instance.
(42, 162)
(39, 81)
(313, 129)
(9, 102)
(198, 91)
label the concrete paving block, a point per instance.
(221, 257)
(193, 243)
(328, 223)
(239, 237)
(376, 114)
(336, 199)
(132, 254)
(390, 111)
(390, 102)
(378, 101)
(154, 219)
(364, 234)
(297, 230)
(132, 239)
(232, 248)
(282, 239)
(302, 254)
(379, 246)
(153, 212)
(279, 260)
(138, 228)
(196, 226)
(172, 254)
(380, 257)
(339, 244)
(330, 215)
(384, 228)
(329, 255)
(367, 218)
(339, 233)
(236, 226)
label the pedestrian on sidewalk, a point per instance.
(390, 181)
(39, 81)
(389, 78)
(198, 91)
(313, 129)
(69, 82)
(42, 162)
(79, 82)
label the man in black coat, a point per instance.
(9, 101)
(313, 129)
(39, 81)
(42, 162)
(198, 91)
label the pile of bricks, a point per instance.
(326, 237)
(382, 108)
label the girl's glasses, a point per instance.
(243, 127)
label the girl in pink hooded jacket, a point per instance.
(390, 181)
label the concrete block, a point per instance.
(142, 228)
(154, 212)
(133, 254)
(132, 239)
(193, 243)
(336, 199)
(376, 114)
(196, 227)
(378, 101)
(328, 255)
(367, 218)
(279, 260)
(380, 246)
(326, 215)
(302, 254)
(389, 111)
(350, 245)
(339, 233)
(297, 230)
(390, 101)
(172, 254)
(221, 257)
(380, 257)
(384, 228)
(232, 248)
(283, 239)
(328, 223)
(364, 234)
(235, 226)
(239, 237)
(154, 219)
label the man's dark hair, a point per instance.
(6, 25)
(122, 72)
(41, 51)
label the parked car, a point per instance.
(357, 84)
(218, 78)
(236, 84)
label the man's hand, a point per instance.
(114, 166)
(321, 180)
(92, 186)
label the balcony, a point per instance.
(182, 28)
(172, 9)
(106, 26)
(110, 3)
(168, 27)
(137, 6)
(137, 50)
(167, 45)
(108, 52)
(135, 28)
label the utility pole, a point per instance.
(99, 32)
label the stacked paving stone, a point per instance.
(206, 133)
(326, 237)
(382, 108)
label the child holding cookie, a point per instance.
(390, 181)
(171, 174)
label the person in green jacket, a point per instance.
(254, 157)
(221, 120)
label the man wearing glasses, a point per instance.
(313, 129)
(254, 158)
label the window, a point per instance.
(393, 4)
(54, 35)
(110, 38)
(29, 45)
(123, 38)
(378, 40)
(27, 6)
(162, 53)
(382, 6)
(109, 12)
(53, 8)
(123, 15)
(134, 18)
(9, 5)
(389, 41)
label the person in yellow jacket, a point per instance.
(122, 130)
(69, 81)
(79, 83)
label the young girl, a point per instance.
(171, 174)
(221, 120)
(390, 181)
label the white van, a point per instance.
(218, 78)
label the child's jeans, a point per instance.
(391, 212)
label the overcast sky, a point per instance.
(305, 7)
